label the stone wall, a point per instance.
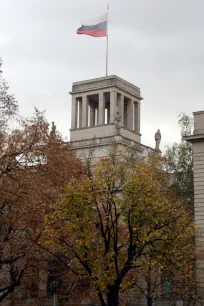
(197, 140)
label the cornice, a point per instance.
(103, 83)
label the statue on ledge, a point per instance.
(117, 122)
(158, 140)
(53, 131)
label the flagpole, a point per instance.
(107, 43)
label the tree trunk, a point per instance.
(112, 296)
(149, 301)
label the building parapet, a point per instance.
(106, 82)
(111, 140)
(198, 135)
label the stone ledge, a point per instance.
(106, 82)
(198, 113)
(91, 127)
(110, 140)
(194, 138)
(104, 125)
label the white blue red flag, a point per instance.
(94, 27)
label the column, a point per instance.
(130, 114)
(121, 108)
(97, 117)
(125, 119)
(74, 113)
(80, 112)
(92, 115)
(113, 103)
(108, 114)
(85, 111)
(101, 109)
(137, 117)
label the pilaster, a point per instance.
(74, 113)
(137, 117)
(92, 115)
(130, 115)
(84, 111)
(121, 108)
(113, 103)
(101, 109)
(80, 112)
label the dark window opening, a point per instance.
(54, 280)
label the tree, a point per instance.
(110, 223)
(34, 167)
(170, 277)
(180, 163)
(8, 104)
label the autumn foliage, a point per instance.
(34, 167)
(117, 224)
(93, 232)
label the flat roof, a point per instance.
(105, 78)
(194, 138)
(198, 113)
(103, 83)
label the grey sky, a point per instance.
(157, 45)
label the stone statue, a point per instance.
(117, 122)
(53, 130)
(158, 140)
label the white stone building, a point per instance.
(197, 140)
(105, 111)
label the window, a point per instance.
(54, 277)
(167, 287)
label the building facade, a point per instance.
(197, 140)
(105, 111)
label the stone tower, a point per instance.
(105, 111)
(197, 140)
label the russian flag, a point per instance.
(94, 27)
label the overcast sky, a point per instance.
(157, 45)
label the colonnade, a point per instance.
(100, 109)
